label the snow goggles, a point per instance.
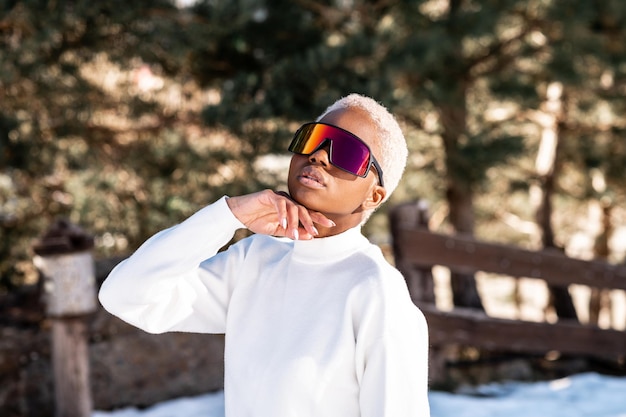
(346, 151)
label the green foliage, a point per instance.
(127, 117)
(480, 153)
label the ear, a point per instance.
(375, 198)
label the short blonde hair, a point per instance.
(390, 139)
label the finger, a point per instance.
(320, 219)
(281, 212)
(304, 234)
(315, 216)
(293, 220)
(307, 222)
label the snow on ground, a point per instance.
(583, 395)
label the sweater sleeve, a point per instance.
(177, 281)
(394, 379)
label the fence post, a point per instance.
(415, 215)
(419, 280)
(64, 257)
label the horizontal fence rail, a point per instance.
(417, 249)
(465, 254)
(467, 327)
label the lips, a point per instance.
(312, 176)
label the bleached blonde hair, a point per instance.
(390, 140)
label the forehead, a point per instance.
(356, 121)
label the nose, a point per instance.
(320, 156)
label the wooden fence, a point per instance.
(417, 250)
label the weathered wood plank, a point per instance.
(470, 328)
(70, 354)
(465, 254)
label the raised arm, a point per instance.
(177, 280)
(157, 287)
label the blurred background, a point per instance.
(125, 117)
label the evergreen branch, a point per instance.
(497, 52)
(331, 14)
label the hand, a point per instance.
(276, 214)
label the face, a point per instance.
(320, 186)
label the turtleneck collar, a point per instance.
(331, 247)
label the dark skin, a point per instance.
(323, 200)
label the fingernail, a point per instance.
(296, 235)
(283, 223)
(315, 232)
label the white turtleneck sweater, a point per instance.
(316, 328)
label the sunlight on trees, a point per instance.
(128, 119)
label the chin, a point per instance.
(301, 199)
(305, 198)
